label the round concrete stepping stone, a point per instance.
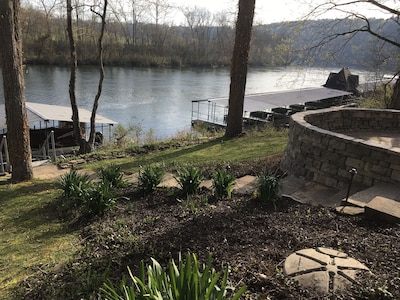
(322, 269)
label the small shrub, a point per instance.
(113, 175)
(185, 280)
(149, 177)
(81, 192)
(223, 184)
(73, 185)
(98, 198)
(189, 179)
(268, 187)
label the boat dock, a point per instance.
(340, 89)
(273, 107)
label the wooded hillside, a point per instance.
(205, 44)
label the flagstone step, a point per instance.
(384, 209)
(362, 198)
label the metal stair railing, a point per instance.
(45, 149)
(3, 146)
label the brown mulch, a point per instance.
(250, 237)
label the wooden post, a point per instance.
(53, 146)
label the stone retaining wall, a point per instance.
(317, 151)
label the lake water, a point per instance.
(157, 99)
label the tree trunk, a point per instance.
(239, 63)
(395, 100)
(13, 81)
(72, 80)
(100, 86)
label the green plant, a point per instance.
(98, 198)
(126, 137)
(113, 175)
(223, 183)
(189, 179)
(73, 185)
(268, 187)
(149, 177)
(193, 204)
(185, 280)
(79, 190)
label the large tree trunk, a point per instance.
(13, 82)
(240, 59)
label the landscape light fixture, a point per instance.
(352, 172)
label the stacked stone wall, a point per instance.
(319, 150)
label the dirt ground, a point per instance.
(250, 237)
(49, 171)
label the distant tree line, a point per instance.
(205, 40)
(202, 43)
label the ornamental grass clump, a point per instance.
(73, 185)
(187, 280)
(150, 177)
(223, 184)
(113, 175)
(98, 198)
(189, 179)
(79, 191)
(268, 188)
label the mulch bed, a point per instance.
(250, 237)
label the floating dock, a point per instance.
(267, 107)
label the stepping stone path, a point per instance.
(323, 270)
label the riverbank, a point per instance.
(154, 101)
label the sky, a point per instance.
(271, 11)
(265, 12)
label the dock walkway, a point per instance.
(266, 106)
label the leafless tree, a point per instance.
(13, 82)
(85, 146)
(200, 22)
(358, 10)
(72, 80)
(102, 16)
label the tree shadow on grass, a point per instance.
(169, 156)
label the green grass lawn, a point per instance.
(34, 239)
(31, 236)
(251, 146)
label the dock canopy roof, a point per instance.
(39, 112)
(267, 101)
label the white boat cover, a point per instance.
(39, 112)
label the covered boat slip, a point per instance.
(45, 120)
(266, 107)
(46, 115)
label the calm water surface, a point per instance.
(157, 99)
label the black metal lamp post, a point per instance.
(352, 172)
